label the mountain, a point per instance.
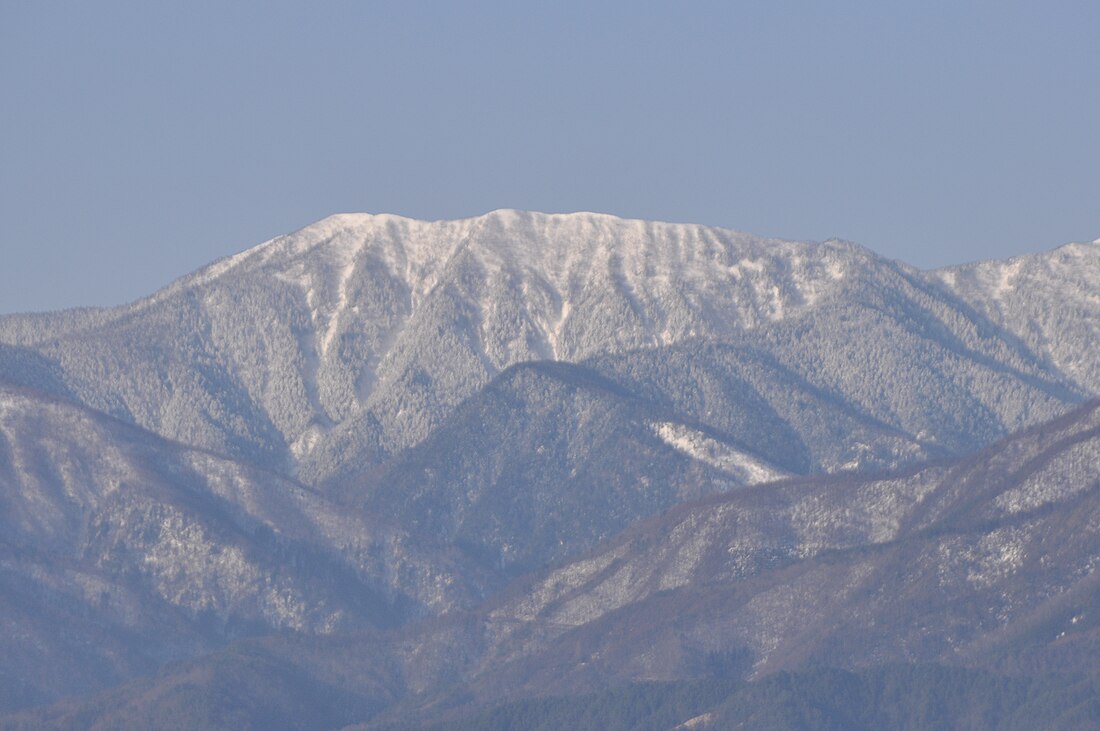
(984, 562)
(121, 551)
(350, 340)
(909, 698)
(373, 436)
(1047, 300)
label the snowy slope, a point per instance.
(932, 565)
(353, 338)
(747, 468)
(959, 562)
(120, 550)
(1051, 301)
(370, 420)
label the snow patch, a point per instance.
(694, 443)
(556, 333)
(222, 266)
(1073, 471)
(341, 305)
(1008, 274)
(305, 443)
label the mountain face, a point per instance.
(1047, 300)
(376, 422)
(996, 552)
(351, 339)
(145, 551)
(985, 562)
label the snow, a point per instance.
(296, 276)
(570, 577)
(574, 286)
(996, 556)
(680, 280)
(1048, 300)
(341, 305)
(1008, 274)
(222, 266)
(305, 443)
(1073, 471)
(750, 470)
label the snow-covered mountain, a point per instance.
(982, 562)
(120, 551)
(1048, 300)
(375, 419)
(353, 338)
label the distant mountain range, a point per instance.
(420, 468)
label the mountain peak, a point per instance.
(558, 247)
(375, 417)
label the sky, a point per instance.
(142, 140)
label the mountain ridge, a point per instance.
(1006, 602)
(377, 421)
(350, 319)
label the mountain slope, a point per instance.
(906, 698)
(119, 551)
(118, 534)
(354, 337)
(959, 562)
(546, 461)
(1048, 300)
(987, 561)
(374, 420)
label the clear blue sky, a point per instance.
(141, 140)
